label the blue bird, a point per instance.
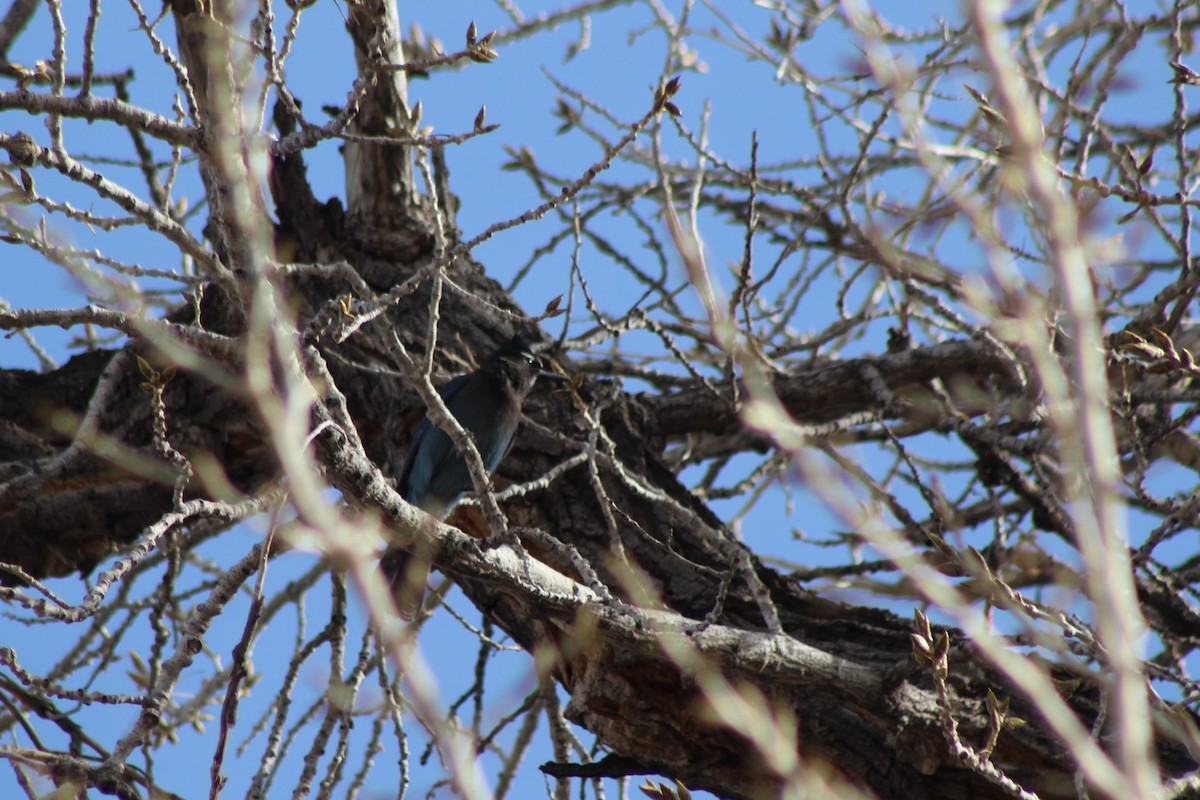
(487, 403)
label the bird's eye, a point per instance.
(530, 358)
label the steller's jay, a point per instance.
(487, 403)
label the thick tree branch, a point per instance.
(834, 391)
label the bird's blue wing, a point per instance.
(427, 456)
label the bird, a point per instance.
(434, 477)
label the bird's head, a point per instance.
(520, 366)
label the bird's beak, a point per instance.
(553, 376)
